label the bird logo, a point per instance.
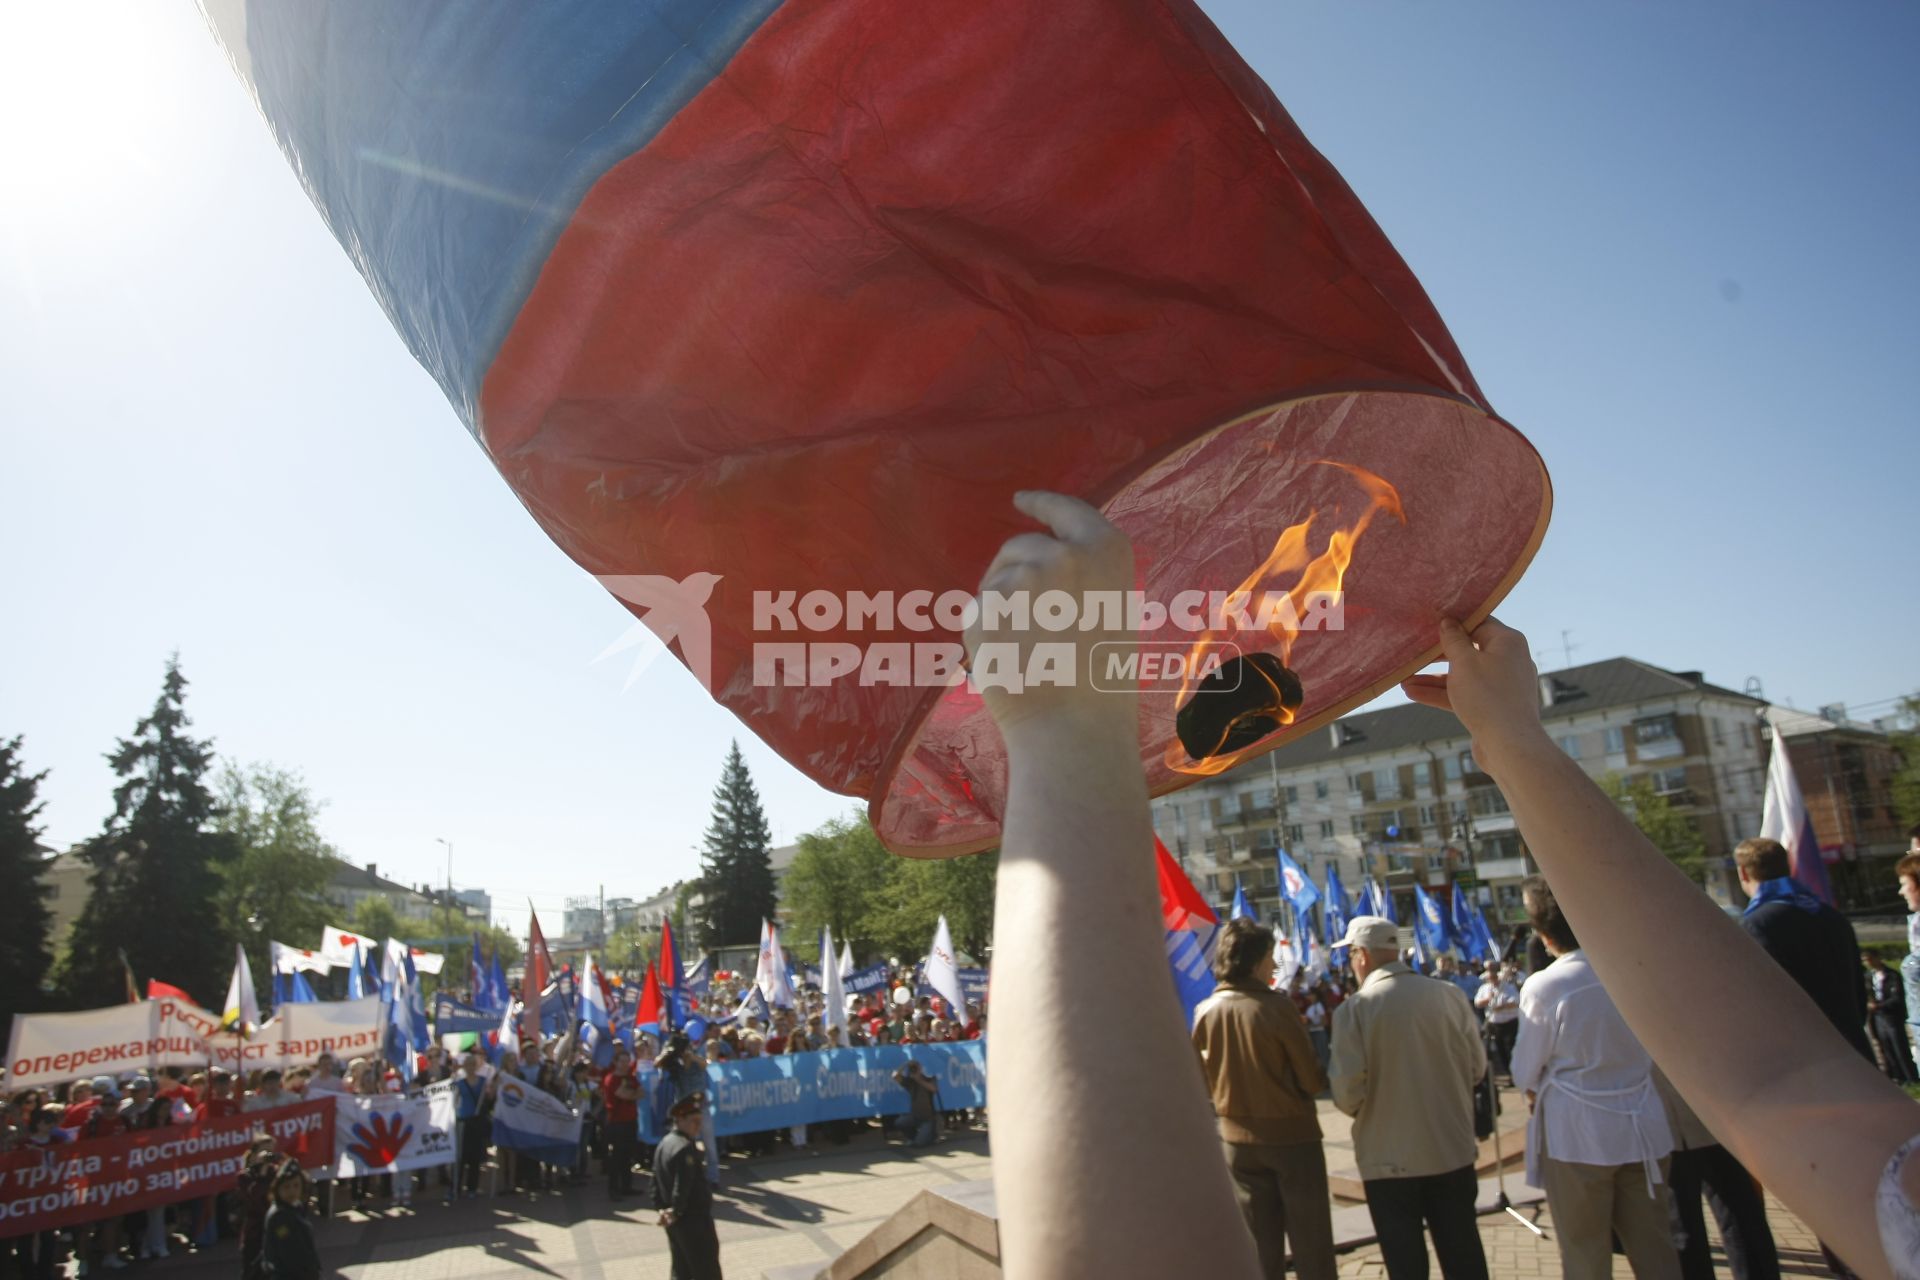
(669, 612)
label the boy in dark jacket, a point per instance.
(288, 1251)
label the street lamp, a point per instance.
(443, 840)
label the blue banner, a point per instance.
(973, 985)
(758, 1094)
(451, 1018)
(871, 978)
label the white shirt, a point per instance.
(1498, 993)
(1595, 1101)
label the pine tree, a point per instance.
(736, 869)
(157, 869)
(24, 920)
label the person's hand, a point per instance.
(1084, 554)
(1491, 684)
(666, 1217)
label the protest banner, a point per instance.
(393, 1132)
(42, 1188)
(49, 1048)
(973, 984)
(452, 1018)
(752, 1095)
(872, 978)
(535, 1123)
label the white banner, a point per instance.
(427, 961)
(391, 1132)
(48, 1048)
(336, 945)
(534, 1121)
(288, 959)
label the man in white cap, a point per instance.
(1406, 1057)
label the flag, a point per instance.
(288, 959)
(671, 978)
(1784, 818)
(1295, 884)
(1333, 913)
(648, 1014)
(158, 990)
(400, 981)
(1363, 903)
(425, 961)
(477, 991)
(753, 1005)
(1430, 931)
(498, 997)
(1192, 929)
(337, 945)
(773, 976)
(292, 988)
(1286, 963)
(1485, 934)
(1242, 909)
(596, 1016)
(943, 971)
(398, 1044)
(356, 974)
(534, 984)
(1384, 901)
(700, 977)
(1465, 936)
(846, 958)
(133, 986)
(242, 1010)
(831, 984)
(1313, 961)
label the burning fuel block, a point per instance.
(1242, 701)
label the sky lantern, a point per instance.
(755, 302)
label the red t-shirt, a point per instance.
(619, 1110)
(216, 1109)
(79, 1113)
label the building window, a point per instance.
(1426, 815)
(1466, 763)
(1746, 734)
(1451, 766)
(1616, 742)
(1657, 737)
(1263, 797)
(1320, 789)
(1570, 744)
(1293, 795)
(1668, 782)
(1422, 775)
(1295, 834)
(1359, 824)
(1326, 829)
(1719, 732)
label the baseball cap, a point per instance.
(104, 1084)
(1372, 933)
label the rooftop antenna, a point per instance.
(1567, 646)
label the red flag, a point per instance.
(539, 973)
(158, 990)
(650, 1001)
(669, 963)
(133, 986)
(1181, 905)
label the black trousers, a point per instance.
(1504, 1034)
(1738, 1208)
(1404, 1209)
(473, 1150)
(695, 1247)
(1891, 1034)
(622, 1137)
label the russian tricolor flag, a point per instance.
(1192, 929)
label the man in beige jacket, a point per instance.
(1406, 1058)
(1261, 1070)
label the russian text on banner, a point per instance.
(535, 1123)
(97, 1178)
(393, 1132)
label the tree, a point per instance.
(1670, 831)
(275, 885)
(835, 881)
(917, 892)
(376, 918)
(25, 923)
(736, 869)
(156, 875)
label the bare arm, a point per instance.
(1759, 1063)
(1079, 949)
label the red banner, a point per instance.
(56, 1186)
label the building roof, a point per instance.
(1592, 686)
(348, 876)
(1794, 723)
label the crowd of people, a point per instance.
(664, 1072)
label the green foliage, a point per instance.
(376, 918)
(736, 872)
(836, 880)
(157, 869)
(273, 888)
(631, 948)
(1668, 830)
(884, 905)
(25, 922)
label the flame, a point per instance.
(1323, 574)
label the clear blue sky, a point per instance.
(1674, 241)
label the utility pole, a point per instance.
(449, 844)
(602, 940)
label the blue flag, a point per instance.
(1333, 912)
(1430, 931)
(700, 977)
(1364, 905)
(1384, 901)
(1465, 936)
(476, 977)
(498, 996)
(1242, 909)
(356, 976)
(1295, 884)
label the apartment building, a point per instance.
(1395, 793)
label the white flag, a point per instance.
(1285, 963)
(770, 974)
(336, 945)
(427, 961)
(943, 972)
(846, 958)
(288, 959)
(1783, 814)
(242, 1012)
(831, 986)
